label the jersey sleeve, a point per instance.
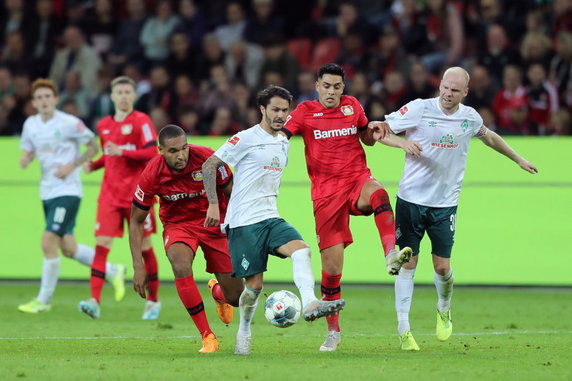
(408, 116)
(148, 135)
(223, 176)
(146, 188)
(26, 143)
(362, 119)
(75, 129)
(233, 150)
(476, 123)
(294, 121)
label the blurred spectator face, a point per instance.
(135, 7)
(159, 78)
(73, 38)
(348, 14)
(273, 78)
(132, 71)
(234, 13)
(352, 43)
(183, 85)
(418, 75)
(488, 116)
(435, 5)
(511, 78)
(72, 82)
(496, 39)
(103, 7)
(359, 85)
(220, 77)
(490, 10)
(159, 117)
(14, 5)
(252, 116)
(274, 52)
(187, 8)
(409, 6)
(262, 8)
(164, 10)
(534, 21)
(306, 82)
(179, 44)
(238, 51)
(536, 48)
(560, 122)
(388, 40)
(241, 93)
(15, 45)
(377, 111)
(480, 79)
(211, 47)
(44, 9)
(221, 121)
(188, 120)
(70, 107)
(560, 7)
(564, 45)
(5, 79)
(22, 86)
(394, 82)
(536, 75)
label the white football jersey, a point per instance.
(258, 159)
(56, 142)
(434, 179)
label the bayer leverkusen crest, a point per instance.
(347, 110)
(126, 129)
(197, 175)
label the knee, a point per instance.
(68, 252)
(104, 241)
(442, 269)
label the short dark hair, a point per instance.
(264, 96)
(170, 131)
(333, 69)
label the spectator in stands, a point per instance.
(182, 57)
(353, 55)
(143, 86)
(188, 120)
(561, 68)
(278, 59)
(482, 91)
(509, 104)
(12, 19)
(536, 48)
(387, 56)
(192, 21)
(561, 17)
(411, 25)
(541, 99)
(233, 30)
(393, 90)
(6, 84)
(244, 101)
(126, 47)
(101, 26)
(263, 23)
(488, 118)
(157, 30)
(19, 108)
(159, 117)
(76, 56)
(14, 55)
(306, 88)
(499, 54)
(445, 32)
(243, 62)
(76, 11)
(73, 92)
(101, 105)
(185, 93)
(211, 55)
(218, 94)
(349, 19)
(418, 84)
(359, 88)
(160, 94)
(223, 123)
(560, 123)
(376, 110)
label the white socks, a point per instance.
(247, 305)
(85, 255)
(303, 276)
(50, 274)
(444, 286)
(403, 296)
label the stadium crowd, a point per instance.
(199, 63)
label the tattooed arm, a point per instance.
(209, 179)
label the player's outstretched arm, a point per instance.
(209, 180)
(375, 130)
(493, 140)
(136, 223)
(26, 159)
(91, 151)
(410, 147)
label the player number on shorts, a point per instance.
(453, 219)
(60, 214)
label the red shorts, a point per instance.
(332, 214)
(213, 243)
(110, 221)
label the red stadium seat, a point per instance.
(301, 49)
(325, 51)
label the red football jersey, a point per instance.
(182, 195)
(135, 132)
(334, 154)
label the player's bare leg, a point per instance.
(403, 297)
(181, 257)
(444, 285)
(374, 198)
(332, 265)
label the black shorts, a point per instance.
(412, 221)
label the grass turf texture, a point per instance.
(499, 334)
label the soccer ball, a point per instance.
(282, 308)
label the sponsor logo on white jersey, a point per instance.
(319, 134)
(446, 141)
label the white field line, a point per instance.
(488, 333)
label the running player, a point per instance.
(252, 223)
(439, 131)
(176, 177)
(55, 138)
(342, 184)
(128, 140)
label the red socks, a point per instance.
(384, 220)
(191, 298)
(331, 290)
(97, 278)
(218, 294)
(151, 268)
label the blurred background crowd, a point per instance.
(199, 63)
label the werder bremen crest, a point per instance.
(464, 125)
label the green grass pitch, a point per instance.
(499, 334)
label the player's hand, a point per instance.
(380, 130)
(64, 170)
(213, 216)
(113, 149)
(140, 282)
(24, 161)
(87, 167)
(412, 147)
(528, 166)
